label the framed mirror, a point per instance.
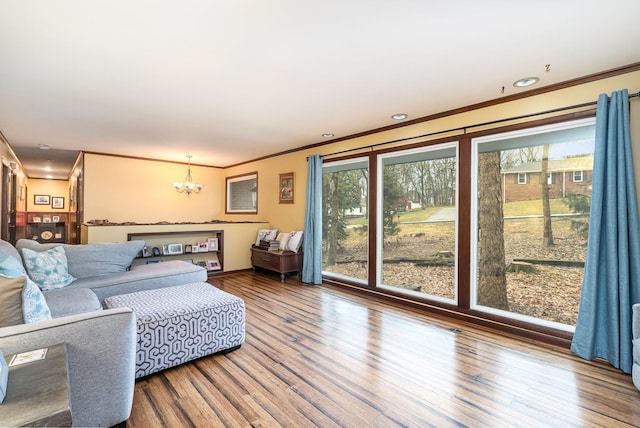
(242, 194)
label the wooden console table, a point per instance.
(38, 392)
(282, 262)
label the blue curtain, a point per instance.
(312, 258)
(611, 282)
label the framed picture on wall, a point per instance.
(57, 202)
(285, 190)
(41, 199)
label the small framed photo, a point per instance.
(213, 265)
(41, 199)
(212, 244)
(37, 219)
(195, 248)
(187, 248)
(57, 202)
(173, 249)
(203, 247)
(46, 219)
(147, 251)
(55, 218)
(285, 190)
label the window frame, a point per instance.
(490, 139)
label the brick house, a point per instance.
(522, 182)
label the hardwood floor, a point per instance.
(319, 356)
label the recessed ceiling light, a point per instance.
(399, 116)
(44, 146)
(527, 81)
(327, 135)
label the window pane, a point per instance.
(345, 219)
(531, 237)
(418, 216)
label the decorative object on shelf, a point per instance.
(156, 251)
(57, 202)
(41, 199)
(46, 219)
(203, 247)
(213, 265)
(212, 244)
(147, 251)
(188, 186)
(55, 218)
(187, 248)
(36, 219)
(286, 188)
(173, 249)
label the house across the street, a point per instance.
(568, 175)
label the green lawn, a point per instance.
(535, 208)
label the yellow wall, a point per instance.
(288, 217)
(122, 189)
(53, 188)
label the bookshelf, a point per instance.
(201, 247)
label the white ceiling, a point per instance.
(230, 81)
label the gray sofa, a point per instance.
(635, 323)
(101, 343)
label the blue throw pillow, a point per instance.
(34, 306)
(48, 268)
(11, 267)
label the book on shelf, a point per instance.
(274, 246)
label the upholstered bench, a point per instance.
(182, 323)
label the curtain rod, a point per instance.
(464, 128)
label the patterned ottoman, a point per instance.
(182, 323)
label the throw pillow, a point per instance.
(11, 300)
(266, 235)
(283, 239)
(11, 267)
(48, 268)
(295, 241)
(34, 305)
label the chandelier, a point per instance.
(188, 186)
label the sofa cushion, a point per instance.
(89, 260)
(11, 300)
(70, 301)
(48, 268)
(143, 277)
